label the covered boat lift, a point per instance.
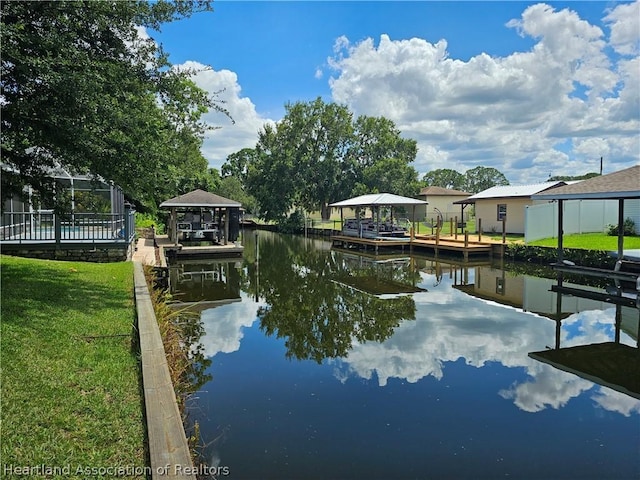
(376, 201)
(204, 215)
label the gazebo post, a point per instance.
(413, 223)
(173, 222)
(226, 226)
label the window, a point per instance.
(502, 211)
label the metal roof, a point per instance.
(381, 199)
(199, 198)
(617, 185)
(512, 191)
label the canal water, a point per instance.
(325, 364)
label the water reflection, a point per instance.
(328, 304)
(322, 302)
(426, 354)
(203, 283)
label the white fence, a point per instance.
(580, 216)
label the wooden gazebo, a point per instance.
(207, 212)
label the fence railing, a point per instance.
(47, 227)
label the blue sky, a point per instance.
(529, 88)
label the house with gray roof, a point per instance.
(507, 202)
(621, 188)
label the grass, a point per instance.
(70, 376)
(590, 241)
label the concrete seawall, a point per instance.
(168, 448)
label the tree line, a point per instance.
(319, 153)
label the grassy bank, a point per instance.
(70, 386)
(590, 241)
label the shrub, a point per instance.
(628, 228)
(292, 224)
(145, 220)
(549, 255)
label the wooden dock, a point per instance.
(206, 251)
(347, 241)
(429, 243)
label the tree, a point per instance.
(391, 175)
(231, 187)
(445, 178)
(324, 133)
(480, 178)
(271, 177)
(568, 178)
(237, 163)
(82, 90)
(301, 160)
(377, 138)
(317, 155)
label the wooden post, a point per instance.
(479, 229)
(466, 239)
(450, 226)
(456, 234)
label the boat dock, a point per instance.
(206, 251)
(429, 243)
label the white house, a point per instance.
(506, 202)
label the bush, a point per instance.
(293, 224)
(549, 255)
(628, 228)
(145, 220)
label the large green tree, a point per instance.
(83, 90)
(389, 175)
(480, 178)
(445, 178)
(318, 154)
(378, 138)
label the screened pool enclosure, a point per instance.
(94, 211)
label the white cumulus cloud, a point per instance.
(230, 134)
(545, 111)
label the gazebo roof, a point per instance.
(199, 198)
(378, 199)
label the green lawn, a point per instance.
(70, 377)
(590, 241)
